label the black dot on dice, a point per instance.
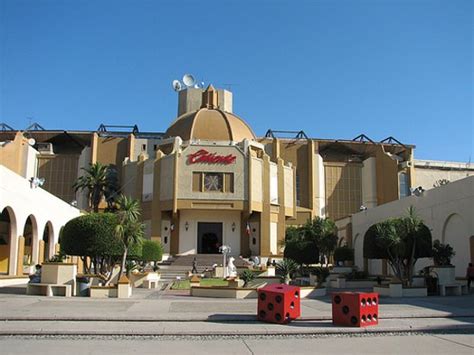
(345, 309)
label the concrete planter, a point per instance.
(397, 290)
(59, 274)
(223, 292)
(103, 292)
(242, 293)
(446, 274)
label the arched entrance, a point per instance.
(455, 234)
(48, 242)
(30, 235)
(5, 240)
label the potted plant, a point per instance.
(442, 255)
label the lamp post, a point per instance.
(225, 249)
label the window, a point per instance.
(404, 185)
(213, 182)
(143, 147)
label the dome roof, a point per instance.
(210, 123)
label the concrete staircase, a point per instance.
(180, 265)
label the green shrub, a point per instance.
(442, 253)
(299, 248)
(151, 251)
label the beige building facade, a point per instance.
(210, 181)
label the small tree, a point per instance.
(402, 241)
(323, 232)
(151, 251)
(299, 247)
(129, 230)
(92, 238)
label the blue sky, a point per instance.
(334, 69)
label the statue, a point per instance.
(231, 269)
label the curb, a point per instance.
(233, 334)
(220, 318)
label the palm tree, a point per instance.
(100, 181)
(129, 229)
(286, 268)
(402, 241)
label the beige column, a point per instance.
(281, 226)
(155, 204)
(41, 252)
(21, 250)
(174, 235)
(265, 215)
(94, 146)
(369, 183)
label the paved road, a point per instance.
(394, 344)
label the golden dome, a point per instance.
(210, 123)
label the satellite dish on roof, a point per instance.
(177, 85)
(189, 80)
(31, 141)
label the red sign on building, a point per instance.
(203, 156)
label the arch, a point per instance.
(31, 243)
(455, 234)
(7, 240)
(48, 241)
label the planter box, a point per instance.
(446, 274)
(242, 293)
(396, 290)
(223, 292)
(103, 292)
(137, 279)
(59, 274)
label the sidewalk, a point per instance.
(154, 313)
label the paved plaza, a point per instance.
(152, 312)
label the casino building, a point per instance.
(210, 181)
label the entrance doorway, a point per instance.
(209, 237)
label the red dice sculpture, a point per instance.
(355, 309)
(278, 303)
